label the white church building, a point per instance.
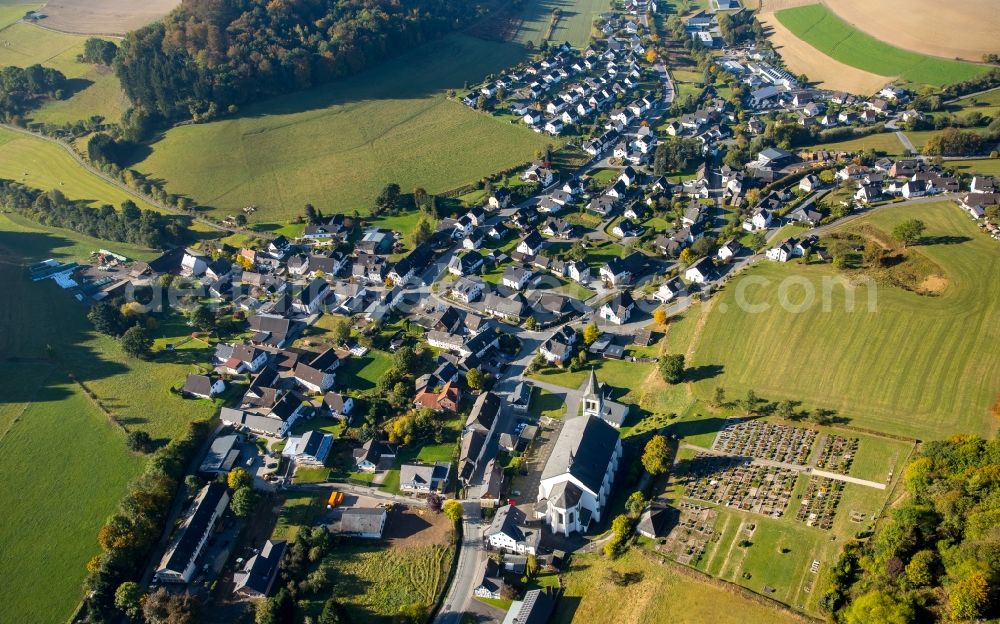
(577, 478)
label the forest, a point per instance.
(209, 56)
(129, 225)
(937, 556)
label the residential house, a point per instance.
(311, 449)
(809, 183)
(508, 532)
(669, 289)
(558, 347)
(467, 289)
(203, 386)
(489, 582)
(424, 478)
(618, 309)
(256, 578)
(444, 400)
(700, 272)
(374, 455)
(339, 405)
(194, 263)
(318, 374)
(516, 277)
(531, 244)
(728, 250)
(509, 309)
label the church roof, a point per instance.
(584, 449)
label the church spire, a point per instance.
(592, 387)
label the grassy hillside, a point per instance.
(336, 146)
(819, 27)
(44, 165)
(95, 90)
(41, 164)
(575, 22)
(918, 366)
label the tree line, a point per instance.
(209, 56)
(128, 225)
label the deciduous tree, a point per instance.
(136, 342)
(908, 232)
(672, 368)
(655, 455)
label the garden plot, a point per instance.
(760, 440)
(819, 502)
(735, 482)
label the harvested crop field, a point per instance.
(802, 58)
(822, 29)
(924, 26)
(927, 26)
(103, 17)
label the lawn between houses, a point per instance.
(337, 145)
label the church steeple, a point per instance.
(592, 388)
(593, 399)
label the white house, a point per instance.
(728, 249)
(203, 387)
(193, 264)
(577, 478)
(424, 478)
(507, 532)
(761, 220)
(700, 272)
(516, 277)
(618, 309)
(531, 244)
(669, 289)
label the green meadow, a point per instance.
(337, 145)
(41, 164)
(819, 27)
(919, 366)
(65, 463)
